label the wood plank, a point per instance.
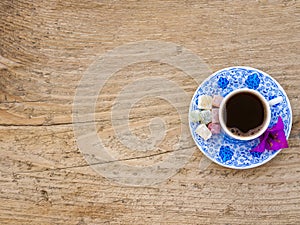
(45, 49)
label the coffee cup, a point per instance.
(245, 114)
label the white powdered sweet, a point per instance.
(205, 102)
(215, 115)
(215, 128)
(216, 101)
(195, 116)
(203, 132)
(205, 116)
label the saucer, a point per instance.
(224, 150)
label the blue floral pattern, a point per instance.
(252, 81)
(224, 150)
(225, 153)
(256, 154)
(223, 82)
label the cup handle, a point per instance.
(275, 101)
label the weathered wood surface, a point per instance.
(45, 48)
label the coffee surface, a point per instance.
(244, 114)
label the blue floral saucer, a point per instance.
(224, 150)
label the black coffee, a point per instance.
(244, 114)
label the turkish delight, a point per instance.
(203, 132)
(205, 116)
(215, 128)
(216, 101)
(205, 102)
(215, 115)
(195, 116)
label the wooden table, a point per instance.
(46, 47)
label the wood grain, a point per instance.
(45, 48)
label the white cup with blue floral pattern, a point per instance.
(245, 114)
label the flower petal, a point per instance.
(261, 147)
(276, 141)
(278, 126)
(273, 139)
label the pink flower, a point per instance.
(273, 139)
